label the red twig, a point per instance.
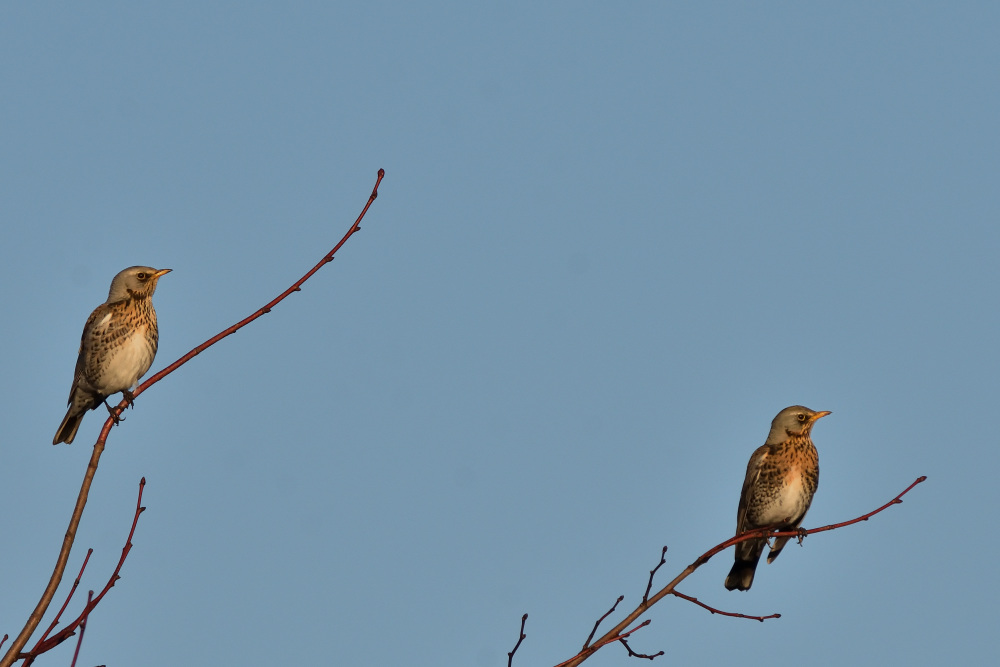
(510, 655)
(83, 628)
(55, 621)
(296, 287)
(719, 611)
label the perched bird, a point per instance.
(117, 348)
(782, 477)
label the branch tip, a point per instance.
(521, 637)
(586, 644)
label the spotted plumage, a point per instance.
(781, 479)
(117, 347)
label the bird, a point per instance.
(117, 347)
(782, 477)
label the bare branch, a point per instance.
(652, 573)
(633, 654)
(510, 655)
(719, 611)
(36, 615)
(605, 640)
(608, 613)
(47, 644)
(83, 627)
(615, 633)
(55, 621)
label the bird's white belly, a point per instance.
(787, 505)
(125, 364)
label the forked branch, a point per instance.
(47, 643)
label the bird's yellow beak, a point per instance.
(818, 415)
(161, 272)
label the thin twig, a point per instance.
(605, 640)
(633, 654)
(83, 628)
(719, 611)
(33, 653)
(608, 613)
(652, 573)
(76, 583)
(520, 638)
(43, 604)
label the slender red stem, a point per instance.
(76, 584)
(719, 611)
(296, 287)
(83, 627)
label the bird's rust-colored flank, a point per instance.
(781, 479)
(117, 347)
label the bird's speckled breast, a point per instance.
(123, 346)
(788, 481)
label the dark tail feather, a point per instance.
(779, 544)
(741, 576)
(67, 430)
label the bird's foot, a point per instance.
(115, 412)
(802, 532)
(129, 397)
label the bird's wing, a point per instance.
(98, 326)
(753, 472)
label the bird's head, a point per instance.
(792, 421)
(135, 281)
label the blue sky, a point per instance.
(611, 244)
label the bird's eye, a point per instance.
(141, 275)
(802, 417)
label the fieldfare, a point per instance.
(782, 477)
(117, 348)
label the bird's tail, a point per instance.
(779, 544)
(70, 424)
(741, 576)
(747, 556)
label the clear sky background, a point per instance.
(613, 241)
